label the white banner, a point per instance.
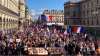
(17, 40)
(11, 40)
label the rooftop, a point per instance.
(56, 12)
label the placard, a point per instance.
(11, 40)
(17, 40)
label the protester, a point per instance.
(35, 36)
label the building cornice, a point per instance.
(84, 1)
(72, 2)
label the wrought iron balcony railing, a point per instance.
(8, 10)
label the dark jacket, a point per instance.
(6, 50)
(66, 47)
(77, 49)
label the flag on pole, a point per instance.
(56, 23)
(55, 31)
(67, 32)
(46, 18)
(9, 36)
(38, 37)
(47, 29)
(85, 35)
(42, 30)
(78, 29)
(3, 33)
(37, 26)
(49, 34)
(20, 36)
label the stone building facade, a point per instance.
(25, 16)
(9, 15)
(58, 16)
(85, 12)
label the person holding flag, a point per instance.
(3, 33)
(55, 31)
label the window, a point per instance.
(74, 22)
(65, 22)
(97, 1)
(92, 21)
(68, 22)
(65, 14)
(19, 14)
(19, 2)
(84, 6)
(92, 3)
(87, 13)
(87, 22)
(84, 22)
(87, 5)
(83, 13)
(19, 7)
(74, 13)
(97, 22)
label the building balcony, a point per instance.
(7, 10)
(21, 3)
(26, 10)
(21, 18)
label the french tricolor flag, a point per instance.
(81, 43)
(20, 36)
(37, 38)
(3, 32)
(85, 35)
(46, 18)
(42, 30)
(55, 31)
(34, 25)
(49, 34)
(56, 23)
(78, 29)
(47, 29)
(67, 32)
(37, 26)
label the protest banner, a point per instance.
(17, 40)
(11, 40)
(44, 51)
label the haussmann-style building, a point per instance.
(10, 15)
(58, 16)
(25, 16)
(84, 13)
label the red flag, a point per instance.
(50, 16)
(84, 37)
(75, 29)
(67, 35)
(55, 31)
(63, 33)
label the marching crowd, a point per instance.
(40, 36)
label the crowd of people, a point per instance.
(40, 36)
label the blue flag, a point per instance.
(68, 31)
(9, 35)
(82, 29)
(43, 18)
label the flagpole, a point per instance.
(70, 32)
(79, 36)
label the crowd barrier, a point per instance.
(44, 51)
